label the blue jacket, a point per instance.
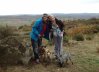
(37, 28)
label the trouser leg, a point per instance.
(35, 49)
(58, 45)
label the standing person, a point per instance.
(57, 26)
(40, 29)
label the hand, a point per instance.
(61, 34)
(39, 35)
(51, 30)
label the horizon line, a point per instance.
(47, 13)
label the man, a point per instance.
(57, 26)
(41, 28)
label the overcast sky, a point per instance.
(10, 7)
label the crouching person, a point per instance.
(39, 29)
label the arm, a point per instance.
(35, 28)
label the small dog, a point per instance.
(64, 58)
(45, 54)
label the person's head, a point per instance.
(45, 17)
(45, 14)
(51, 18)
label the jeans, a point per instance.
(58, 40)
(36, 45)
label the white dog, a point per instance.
(64, 58)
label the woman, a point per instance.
(57, 26)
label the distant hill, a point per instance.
(27, 19)
(59, 15)
(77, 15)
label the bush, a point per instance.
(9, 53)
(26, 33)
(97, 50)
(12, 50)
(97, 28)
(79, 37)
(89, 37)
(66, 39)
(5, 32)
(20, 27)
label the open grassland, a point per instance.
(81, 40)
(84, 55)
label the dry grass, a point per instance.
(98, 50)
(82, 29)
(84, 56)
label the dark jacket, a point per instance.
(60, 24)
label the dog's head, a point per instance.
(42, 50)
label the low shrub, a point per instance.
(78, 37)
(66, 39)
(97, 50)
(89, 37)
(5, 32)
